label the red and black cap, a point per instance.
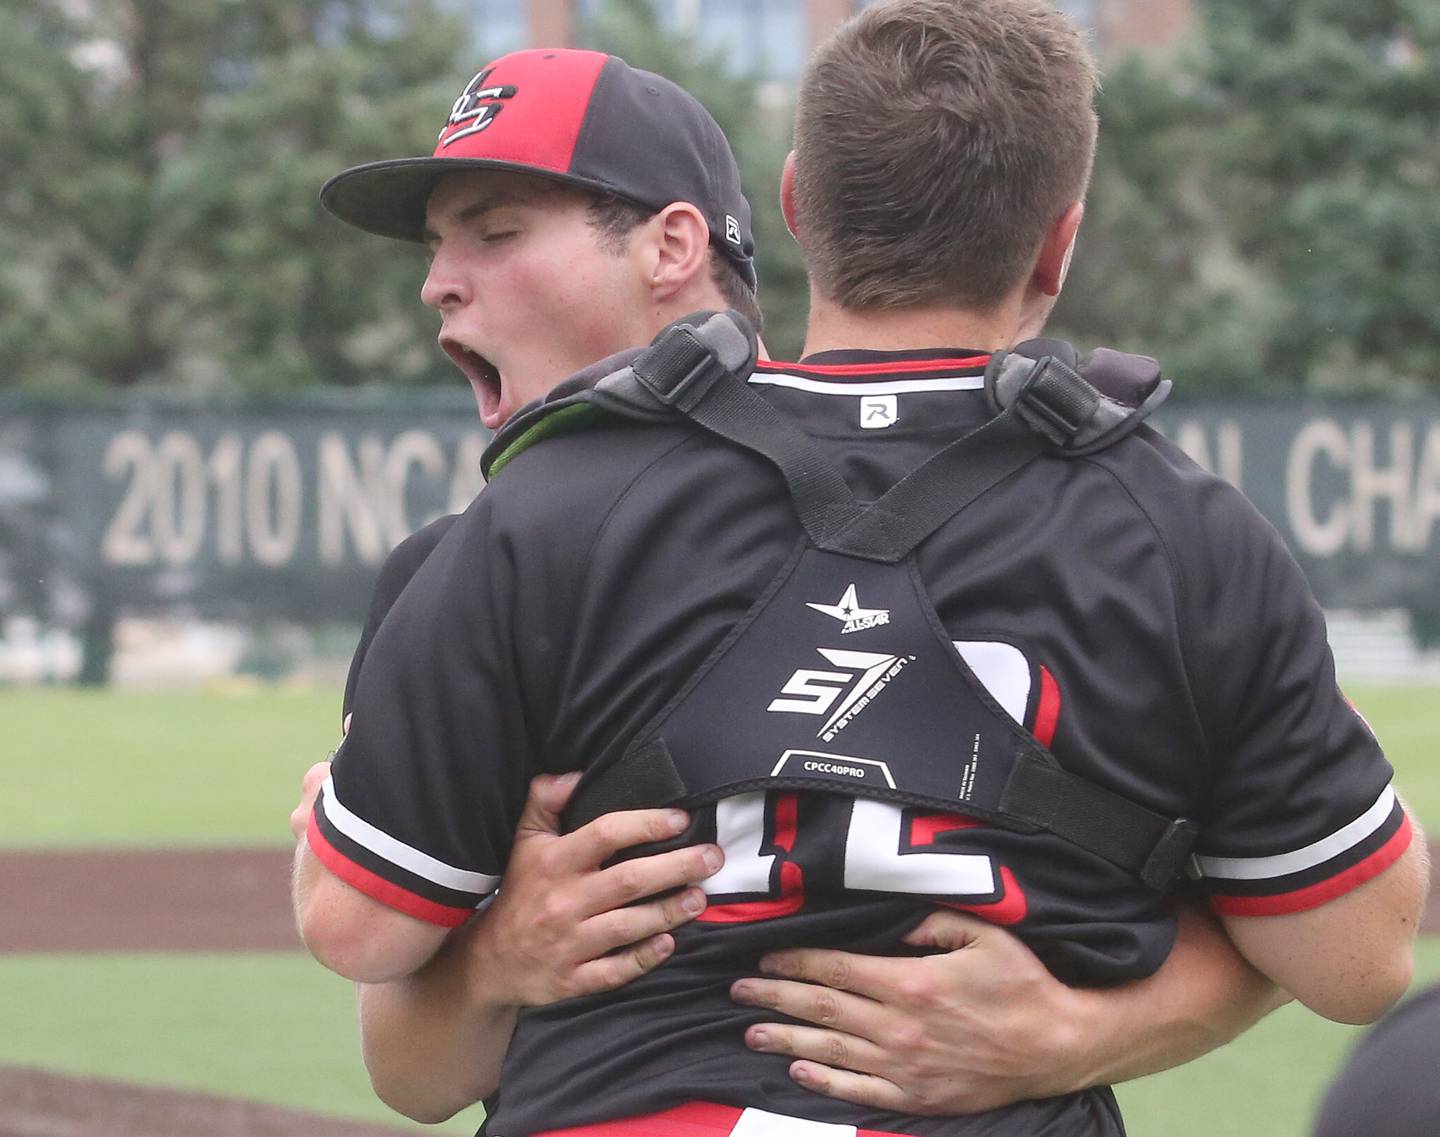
(580, 117)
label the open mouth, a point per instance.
(484, 379)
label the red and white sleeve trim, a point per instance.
(1316, 853)
(1315, 874)
(398, 853)
(390, 870)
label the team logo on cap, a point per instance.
(476, 106)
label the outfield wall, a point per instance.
(285, 509)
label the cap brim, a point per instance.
(389, 198)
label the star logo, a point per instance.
(848, 611)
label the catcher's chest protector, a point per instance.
(841, 677)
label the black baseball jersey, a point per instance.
(1129, 610)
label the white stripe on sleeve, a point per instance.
(1283, 864)
(400, 854)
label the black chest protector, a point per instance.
(884, 706)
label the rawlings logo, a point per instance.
(475, 107)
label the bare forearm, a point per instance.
(431, 1043)
(1203, 996)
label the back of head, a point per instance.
(936, 141)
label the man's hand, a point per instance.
(559, 927)
(562, 925)
(985, 1024)
(979, 1026)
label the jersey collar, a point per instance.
(859, 365)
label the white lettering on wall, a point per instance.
(256, 500)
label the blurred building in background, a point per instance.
(773, 37)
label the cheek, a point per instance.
(597, 304)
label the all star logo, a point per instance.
(858, 681)
(848, 611)
(475, 106)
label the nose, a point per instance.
(446, 284)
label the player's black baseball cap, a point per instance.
(581, 117)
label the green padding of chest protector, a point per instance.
(562, 421)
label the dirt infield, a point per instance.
(147, 900)
(35, 1103)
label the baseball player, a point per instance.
(1113, 624)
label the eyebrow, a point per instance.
(485, 205)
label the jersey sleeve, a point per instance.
(402, 564)
(1302, 809)
(419, 809)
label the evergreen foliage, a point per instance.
(1263, 213)
(159, 213)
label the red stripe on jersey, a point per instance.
(377, 887)
(1011, 908)
(792, 877)
(693, 1119)
(701, 1116)
(1302, 899)
(894, 367)
(925, 827)
(787, 817)
(1047, 712)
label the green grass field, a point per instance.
(187, 770)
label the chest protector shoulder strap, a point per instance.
(841, 677)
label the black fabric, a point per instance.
(931, 495)
(821, 499)
(1151, 846)
(1387, 1086)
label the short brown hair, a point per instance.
(936, 141)
(617, 217)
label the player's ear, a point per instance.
(677, 248)
(787, 195)
(1053, 263)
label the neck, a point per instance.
(832, 327)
